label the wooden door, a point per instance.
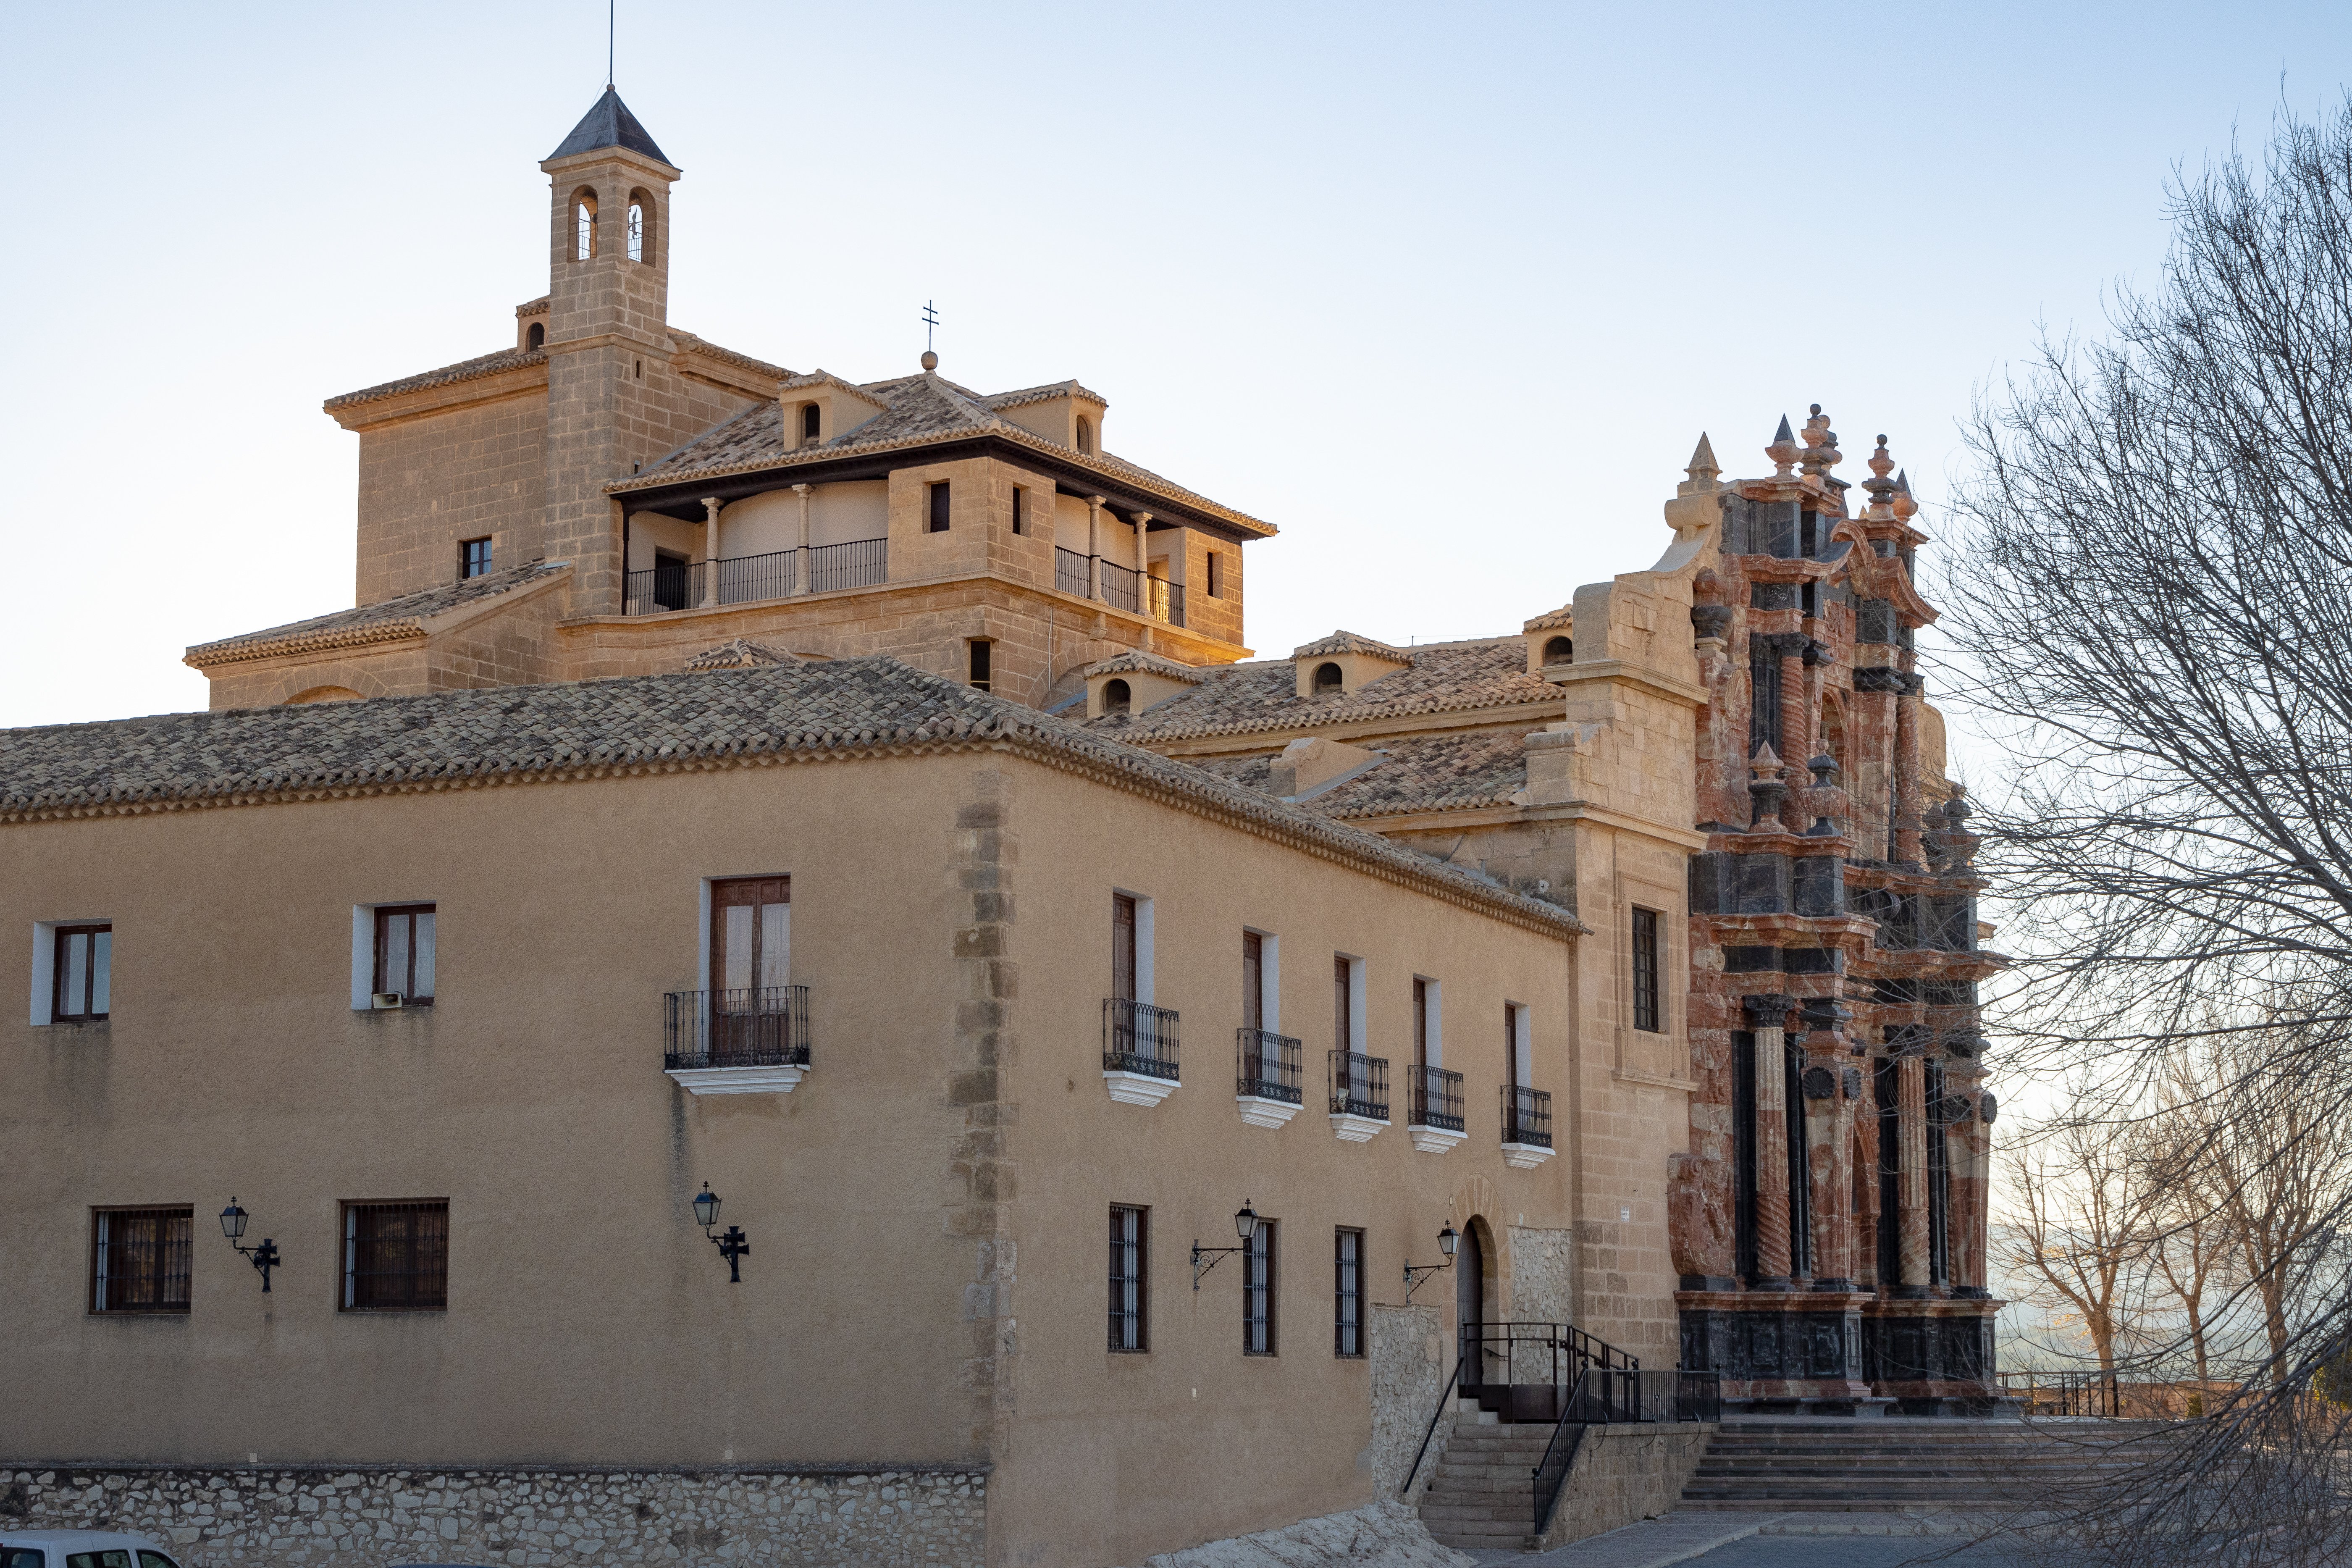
(750, 964)
(1122, 947)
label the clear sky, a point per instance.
(1444, 292)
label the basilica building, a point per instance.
(837, 821)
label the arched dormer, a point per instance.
(1559, 651)
(1133, 681)
(1327, 678)
(1116, 696)
(812, 423)
(1345, 663)
(534, 337)
(584, 224)
(1085, 429)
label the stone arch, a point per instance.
(297, 685)
(322, 694)
(1475, 1200)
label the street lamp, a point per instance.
(1244, 1226)
(732, 1245)
(1416, 1273)
(264, 1257)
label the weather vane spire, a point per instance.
(612, 27)
(931, 320)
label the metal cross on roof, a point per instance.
(931, 320)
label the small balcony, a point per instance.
(1359, 1096)
(749, 1041)
(1123, 589)
(748, 579)
(1140, 1043)
(1266, 1076)
(1435, 1122)
(1526, 1126)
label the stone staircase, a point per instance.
(1480, 1497)
(1902, 1465)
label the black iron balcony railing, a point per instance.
(1167, 600)
(1437, 1099)
(759, 1026)
(673, 585)
(1526, 1116)
(749, 577)
(1070, 573)
(1267, 1066)
(1359, 1085)
(1139, 1038)
(860, 564)
(1117, 587)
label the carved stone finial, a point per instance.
(1904, 507)
(1767, 790)
(1881, 488)
(1702, 469)
(1784, 449)
(1821, 444)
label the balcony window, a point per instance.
(1139, 1040)
(1131, 1319)
(139, 1259)
(747, 1032)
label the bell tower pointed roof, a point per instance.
(608, 125)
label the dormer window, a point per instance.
(1559, 651)
(535, 339)
(809, 416)
(1328, 679)
(1085, 435)
(1116, 697)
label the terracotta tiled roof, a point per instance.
(534, 307)
(635, 725)
(1428, 772)
(1236, 699)
(388, 620)
(1135, 661)
(1553, 620)
(448, 375)
(1349, 642)
(694, 344)
(918, 409)
(741, 653)
(1046, 394)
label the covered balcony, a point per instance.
(677, 584)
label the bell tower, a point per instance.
(608, 341)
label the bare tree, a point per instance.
(2152, 603)
(2079, 1234)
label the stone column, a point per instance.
(803, 565)
(1969, 1146)
(1093, 548)
(1768, 1015)
(1143, 565)
(1905, 849)
(1911, 1111)
(1796, 720)
(710, 552)
(1869, 772)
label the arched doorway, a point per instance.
(1472, 1257)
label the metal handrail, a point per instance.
(1453, 1387)
(1606, 1394)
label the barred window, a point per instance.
(396, 1257)
(139, 1261)
(1347, 1292)
(1257, 1292)
(1131, 1299)
(1646, 970)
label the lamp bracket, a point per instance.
(1215, 1255)
(1416, 1275)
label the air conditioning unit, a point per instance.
(382, 999)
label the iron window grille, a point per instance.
(1348, 1293)
(1139, 1038)
(1131, 1299)
(1437, 1099)
(405, 947)
(1359, 1085)
(396, 1257)
(1646, 970)
(83, 980)
(1267, 1066)
(1526, 1115)
(473, 558)
(139, 1259)
(750, 1027)
(1258, 1290)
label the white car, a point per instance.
(80, 1549)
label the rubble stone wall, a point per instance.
(265, 1516)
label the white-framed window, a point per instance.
(394, 950)
(73, 971)
(1130, 946)
(1349, 1008)
(1517, 1045)
(1428, 1022)
(1261, 980)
